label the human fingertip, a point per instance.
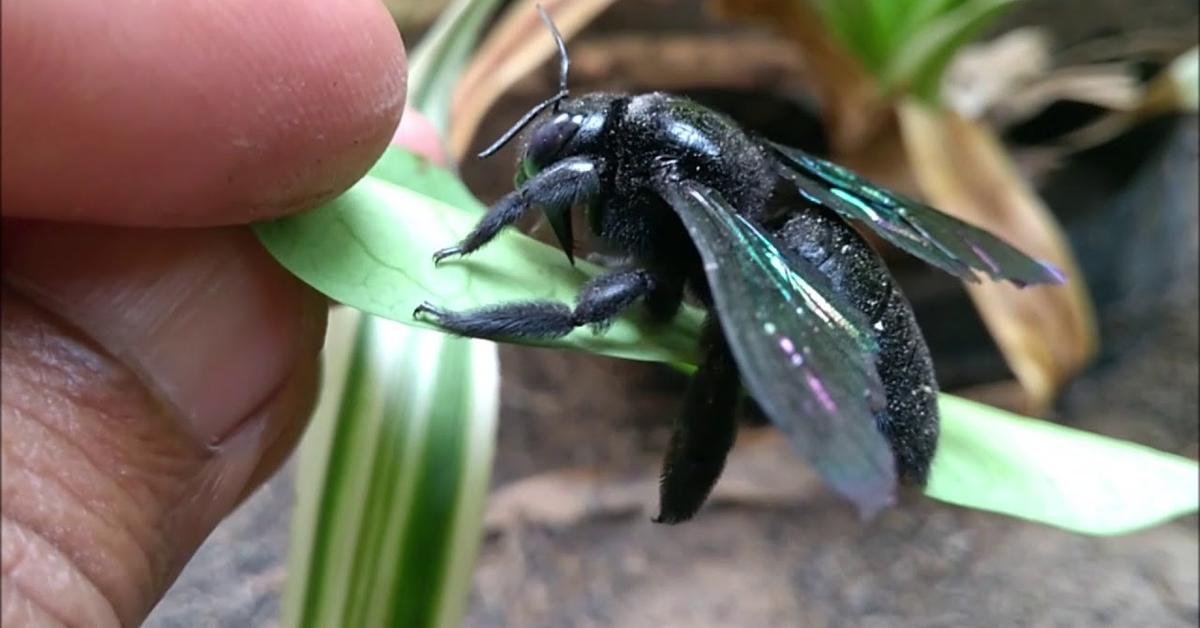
(193, 114)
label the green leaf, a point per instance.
(918, 63)
(851, 21)
(400, 167)
(918, 16)
(994, 460)
(394, 472)
(372, 248)
(906, 44)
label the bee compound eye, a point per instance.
(548, 140)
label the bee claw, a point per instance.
(449, 251)
(427, 309)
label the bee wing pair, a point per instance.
(939, 239)
(806, 355)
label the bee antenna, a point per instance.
(564, 61)
(555, 100)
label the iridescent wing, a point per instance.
(938, 238)
(805, 355)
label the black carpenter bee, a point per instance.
(801, 310)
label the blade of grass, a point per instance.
(919, 14)
(315, 451)
(851, 21)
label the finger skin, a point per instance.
(151, 378)
(105, 494)
(194, 112)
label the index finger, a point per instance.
(198, 112)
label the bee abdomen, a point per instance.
(910, 421)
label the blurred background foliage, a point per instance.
(1054, 123)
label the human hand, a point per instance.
(158, 365)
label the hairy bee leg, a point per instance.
(704, 432)
(600, 301)
(557, 189)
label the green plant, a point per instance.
(906, 44)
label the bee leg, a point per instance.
(600, 302)
(704, 432)
(665, 297)
(557, 188)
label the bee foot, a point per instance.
(428, 310)
(450, 251)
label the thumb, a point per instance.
(151, 378)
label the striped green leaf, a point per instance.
(395, 468)
(393, 476)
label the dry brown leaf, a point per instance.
(982, 76)
(1006, 394)
(1047, 334)
(1174, 90)
(1112, 86)
(515, 47)
(688, 61)
(853, 107)
(1011, 78)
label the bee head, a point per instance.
(553, 134)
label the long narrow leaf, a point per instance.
(394, 470)
(994, 460)
(373, 247)
(396, 467)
